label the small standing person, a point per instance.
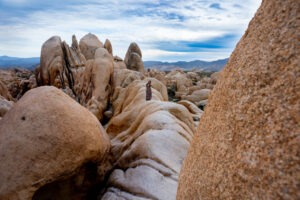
(148, 91)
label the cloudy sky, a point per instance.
(166, 30)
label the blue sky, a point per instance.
(168, 30)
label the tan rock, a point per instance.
(133, 48)
(89, 44)
(247, 144)
(214, 77)
(122, 78)
(52, 61)
(72, 55)
(193, 76)
(180, 80)
(119, 63)
(17, 81)
(94, 85)
(135, 93)
(192, 108)
(108, 46)
(45, 139)
(4, 91)
(197, 95)
(149, 141)
(135, 62)
(202, 103)
(5, 106)
(159, 75)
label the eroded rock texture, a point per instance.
(89, 44)
(247, 145)
(133, 58)
(17, 81)
(83, 71)
(108, 46)
(51, 147)
(5, 105)
(52, 61)
(94, 83)
(149, 141)
(4, 91)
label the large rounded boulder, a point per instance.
(247, 144)
(49, 145)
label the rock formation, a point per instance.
(5, 105)
(83, 71)
(247, 144)
(149, 141)
(119, 63)
(73, 56)
(4, 91)
(52, 61)
(89, 44)
(17, 81)
(178, 82)
(193, 109)
(159, 75)
(94, 85)
(197, 95)
(49, 146)
(108, 46)
(133, 58)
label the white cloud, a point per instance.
(146, 25)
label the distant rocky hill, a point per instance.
(196, 64)
(9, 62)
(30, 63)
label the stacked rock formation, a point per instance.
(247, 144)
(84, 71)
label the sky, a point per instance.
(165, 30)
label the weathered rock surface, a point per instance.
(17, 81)
(94, 85)
(4, 91)
(73, 56)
(108, 46)
(47, 138)
(149, 141)
(52, 61)
(192, 108)
(247, 145)
(89, 44)
(197, 95)
(121, 79)
(133, 58)
(178, 83)
(159, 75)
(119, 63)
(5, 105)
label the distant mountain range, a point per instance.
(31, 63)
(10, 62)
(196, 64)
